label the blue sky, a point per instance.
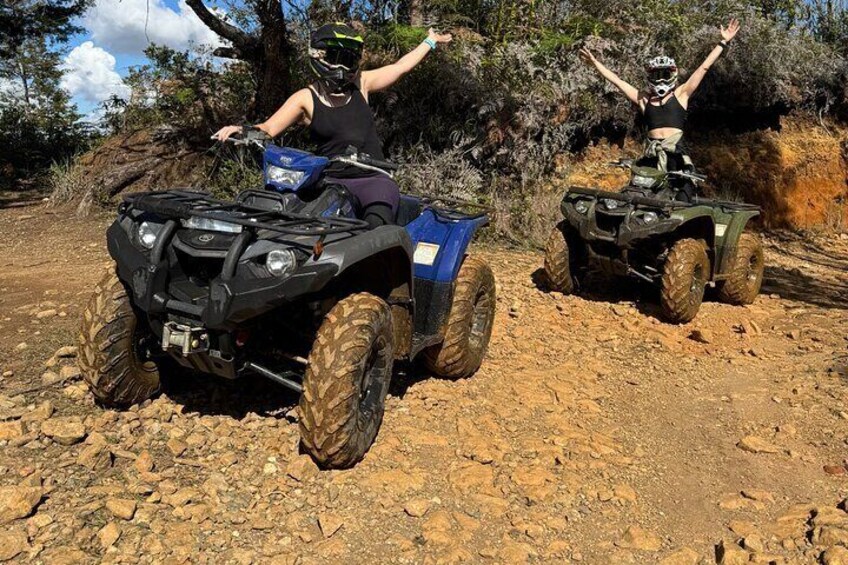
(116, 34)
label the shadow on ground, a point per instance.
(802, 283)
(215, 396)
(596, 287)
(20, 199)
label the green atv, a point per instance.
(646, 231)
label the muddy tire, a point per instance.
(346, 381)
(745, 276)
(115, 347)
(469, 325)
(558, 262)
(685, 276)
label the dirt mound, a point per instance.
(138, 161)
(799, 175)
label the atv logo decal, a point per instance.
(425, 253)
(205, 238)
(720, 229)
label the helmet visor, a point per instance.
(343, 57)
(662, 75)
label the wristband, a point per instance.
(431, 43)
(723, 44)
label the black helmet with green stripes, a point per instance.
(335, 51)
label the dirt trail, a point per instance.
(593, 433)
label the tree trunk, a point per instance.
(273, 61)
(270, 56)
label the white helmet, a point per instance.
(662, 75)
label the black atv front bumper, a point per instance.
(224, 305)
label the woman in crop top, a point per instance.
(664, 105)
(335, 108)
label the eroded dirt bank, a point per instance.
(594, 433)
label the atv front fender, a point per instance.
(726, 245)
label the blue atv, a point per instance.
(289, 284)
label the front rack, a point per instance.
(184, 204)
(725, 205)
(629, 198)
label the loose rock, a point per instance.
(66, 431)
(121, 507)
(330, 524)
(754, 444)
(637, 538)
(109, 534)
(18, 502)
(11, 430)
(417, 507)
(302, 469)
(12, 544)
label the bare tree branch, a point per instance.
(244, 44)
(229, 53)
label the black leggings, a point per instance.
(378, 214)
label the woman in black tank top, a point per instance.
(337, 128)
(335, 108)
(664, 104)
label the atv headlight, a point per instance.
(280, 262)
(610, 203)
(285, 177)
(208, 224)
(581, 206)
(147, 233)
(643, 181)
(650, 217)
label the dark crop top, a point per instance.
(335, 128)
(672, 114)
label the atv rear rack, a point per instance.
(454, 209)
(184, 204)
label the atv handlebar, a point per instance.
(352, 157)
(630, 163)
(249, 136)
(367, 162)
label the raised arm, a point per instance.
(379, 79)
(294, 110)
(630, 91)
(690, 86)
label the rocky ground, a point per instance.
(593, 433)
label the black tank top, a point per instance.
(672, 114)
(335, 129)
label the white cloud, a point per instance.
(90, 74)
(128, 26)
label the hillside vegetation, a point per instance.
(506, 111)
